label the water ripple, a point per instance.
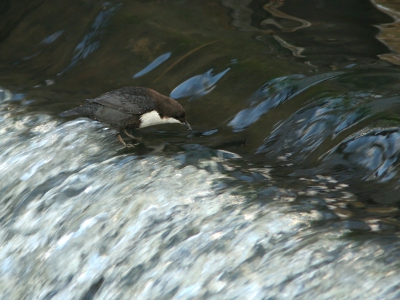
(273, 93)
(154, 64)
(197, 86)
(51, 38)
(91, 41)
(372, 158)
(87, 221)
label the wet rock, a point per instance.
(355, 226)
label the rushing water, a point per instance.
(287, 188)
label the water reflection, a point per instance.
(51, 38)
(273, 8)
(376, 153)
(185, 225)
(241, 14)
(295, 50)
(308, 128)
(197, 86)
(274, 93)
(296, 193)
(5, 95)
(91, 41)
(389, 34)
(370, 157)
(312, 36)
(154, 64)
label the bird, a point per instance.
(131, 108)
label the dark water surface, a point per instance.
(288, 187)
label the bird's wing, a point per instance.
(132, 101)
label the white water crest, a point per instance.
(81, 221)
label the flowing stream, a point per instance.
(287, 188)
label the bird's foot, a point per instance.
(125, 144)
(131, 145)
(131, 136)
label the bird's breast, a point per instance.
(153, 118)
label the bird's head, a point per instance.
(181, 117)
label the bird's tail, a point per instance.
(77, 111)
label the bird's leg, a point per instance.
(123, 142)
(131, 136)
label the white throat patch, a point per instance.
(153, 118)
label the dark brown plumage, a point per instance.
(131, 108)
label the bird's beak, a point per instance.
(187, 125)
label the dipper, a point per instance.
(131, 108)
